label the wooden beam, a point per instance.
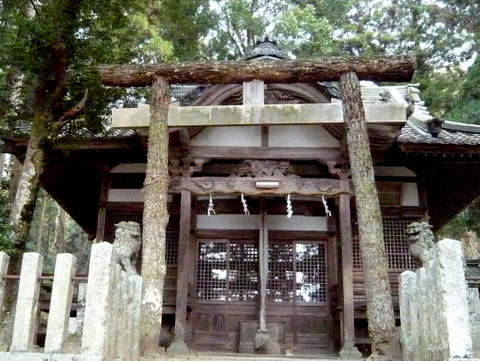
(212, 152)
(380, 68)
(248, 186)
(270, 114)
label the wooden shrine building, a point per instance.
(261, 205)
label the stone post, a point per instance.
(435, 312)
(121, 316)
(454, 306)
(97, 322)
(115, 314)
(27, 303)
(415, 318)
(4, 258)
(423, 312)
(134, 312)
(405, 287)
(474, 310)
(81, 299)
(61, 302)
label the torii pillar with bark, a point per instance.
(155, 218)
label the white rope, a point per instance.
(325, 206)
(289, 207)
(245, 207)
(210, 209)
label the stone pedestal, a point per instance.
(349, 352)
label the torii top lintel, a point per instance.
(392, 69)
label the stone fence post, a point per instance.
(61, 302)
(97, 322)
(27, 303)
(434, 311)
(4, 259)
(111, 326)
(454, 306)
(111, 322)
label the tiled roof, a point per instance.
(423, 128)
(417, 132)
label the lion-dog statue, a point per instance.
(420, 242)
(127, 245)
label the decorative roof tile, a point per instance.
(265, 49)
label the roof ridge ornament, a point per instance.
(265, 49)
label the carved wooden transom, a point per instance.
(263, 168)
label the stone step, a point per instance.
(194, 356)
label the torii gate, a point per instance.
(253, 75)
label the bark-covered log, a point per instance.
(155, 219)
(381, 320)
(398, 68)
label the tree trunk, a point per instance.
(399, 68)
(60, 231)
(155, 219)
(381, 320)
(15, 174)
(3, 159)
(28, 185)
(41, 221)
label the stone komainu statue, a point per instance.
(420, 242)
(127, 245)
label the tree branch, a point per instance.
(72, 113)
(34, 7)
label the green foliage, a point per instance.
(237, 25)
(431, 31)
(467, 220)
(305, 28)
(441, 90)
(303, 33)
(55, 47)
(466, 106)
(183, 23)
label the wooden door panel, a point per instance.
(298, 315)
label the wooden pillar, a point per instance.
(263, 267)
(155, 219)
(422, 194)
(184, 270)
(102, 207)
(348, 349)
